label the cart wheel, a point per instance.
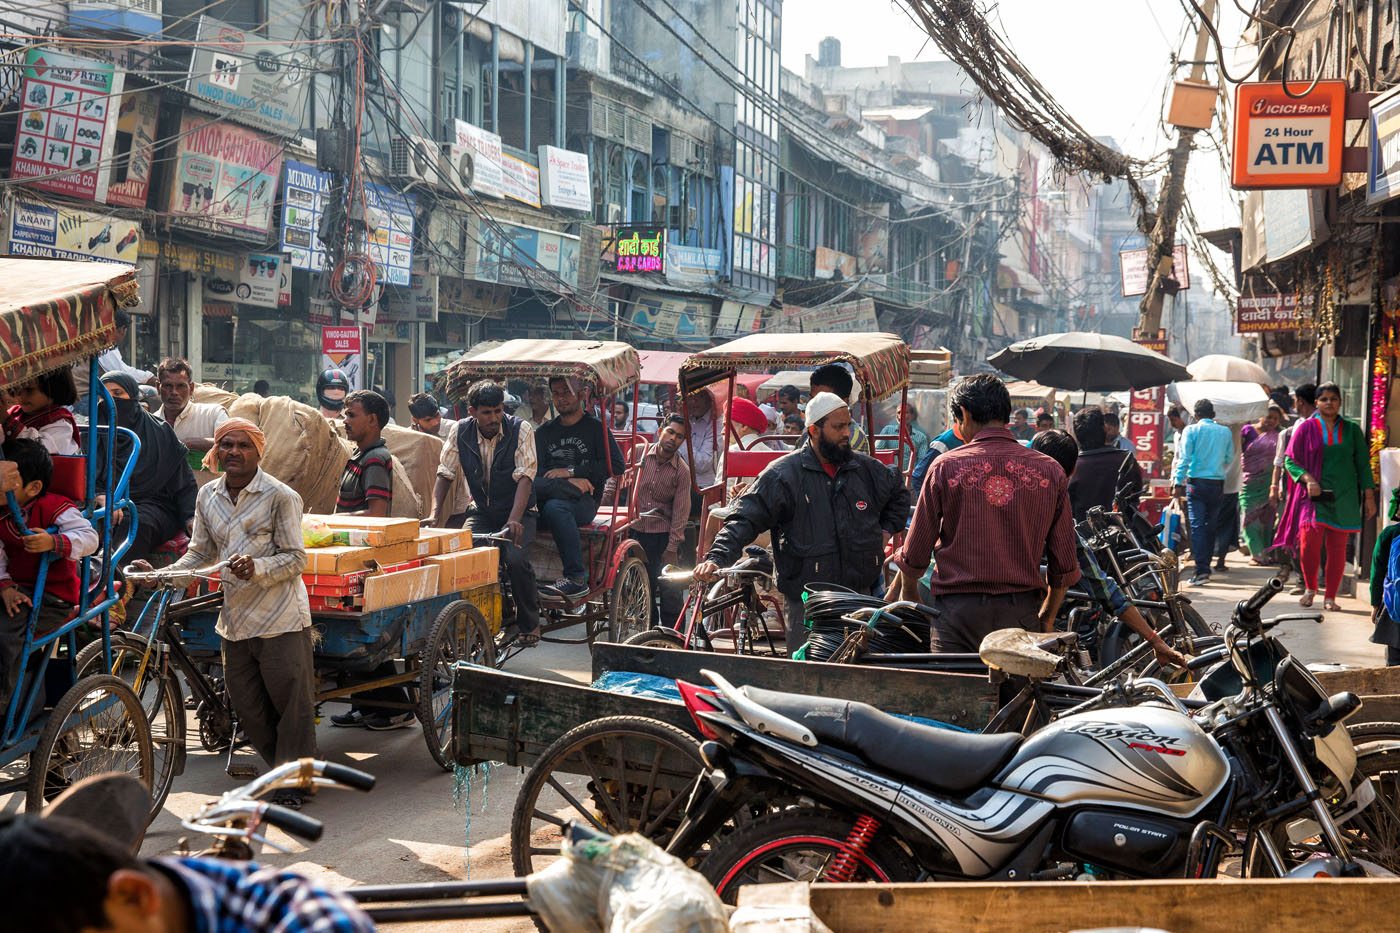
(459, 633)
(159, 693)
(629, 609)
(97, 727)
(621, 774)
(657, 638)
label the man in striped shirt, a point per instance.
(254, 522)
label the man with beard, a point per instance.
(992, 509)
(831, 510)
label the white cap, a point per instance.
(821, 405)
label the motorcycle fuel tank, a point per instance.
(1146, 757)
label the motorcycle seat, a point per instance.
(939, 759)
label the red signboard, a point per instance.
(1145, 429)
(1289, 140)
(1257, 314)
(1157, 343)
(1146, 399)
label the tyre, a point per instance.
(619, 774)
(1364, 732)
(657, 638)
(459, 633)
(97, 727)
(161, 699)
(629, 607)
(1374, 833)
(798, 845)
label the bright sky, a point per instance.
(1105, 61)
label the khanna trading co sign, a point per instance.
(640, 250)
(1283, 141)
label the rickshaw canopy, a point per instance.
(607, 366)
(661, 367)
(55, 312)
(880, 361)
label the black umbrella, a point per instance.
(1088, 362)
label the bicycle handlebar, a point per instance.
(167, 577)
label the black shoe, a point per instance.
(1220, 566)
(351, 720)
(1200, 579)
(383, 722)
(569, 588)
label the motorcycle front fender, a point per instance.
(715, 796)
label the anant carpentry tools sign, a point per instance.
(1284, 141)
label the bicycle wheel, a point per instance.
(157, 688)
(97, 727)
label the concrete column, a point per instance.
(495, 79)
(529, 92)
(194, 324)
(560, 109)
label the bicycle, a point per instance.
(730, 615)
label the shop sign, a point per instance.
(1383, 157)
(67, 124)
(692, 266)
(340, 349)
(846, 317)
(1145, 429)
(65, 233)
(829, 262)
(418, 303)
(1135, 272)
(263, 281)
(243, 77)
(485, 147)
(178, 257)
(520, 180)
(497, 252)
(225, 178)
(457, 296)
(1157, 342)
(736, 317)
(564, 179)
(1258, 314)
(639, 250)
(391, 219)
(1289, 142)
(672, 316)
(590, 256)
(129, 172)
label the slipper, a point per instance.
(1307, 599)
(528, 639)
(1331, 605)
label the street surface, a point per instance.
(414, 826)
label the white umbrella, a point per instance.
(1221, 367)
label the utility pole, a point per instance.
(1161, 239)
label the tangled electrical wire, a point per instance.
(960, 29)
(897, 631)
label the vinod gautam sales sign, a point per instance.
(1284, 141)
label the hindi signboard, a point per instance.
(640, 250)
(1258, 314)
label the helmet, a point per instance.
(331, 379)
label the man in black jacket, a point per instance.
(574, 465)
(495, 453)
(1103, 468)
(830, 509)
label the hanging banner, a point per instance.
(65, 233)
(1258, 314)
(1134, 273)
(564, 179)
(134, 149)
(1283, 141)
(263, 281)
(829, 262)
(225, 178)
(241, 76)
(485, 147)
(520, 180)
(340, 349)
(67, 125)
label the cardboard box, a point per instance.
(466, 569)
(446, 540)
(386, 590)
(342, 560)
(375, 532)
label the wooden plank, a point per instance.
(965, 700)
(1364, 681)
(1383, 708)
(1225, 906)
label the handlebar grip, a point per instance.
(1262, 596)
(299, 825)
(350, 777)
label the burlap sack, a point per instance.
(303, 450)
(419, 454)
(206, 392)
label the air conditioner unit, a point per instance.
(414, 160)
(614, 213)
(461, 168)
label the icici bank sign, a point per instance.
(1283, 141)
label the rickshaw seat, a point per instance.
(69, 478)
(887, 457)
(746, 464)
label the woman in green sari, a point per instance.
(1258, 443)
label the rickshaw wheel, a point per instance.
(161, 701)
(97, 727)
(620, 774)
(657, 638)
(459, 633)
(629, 608)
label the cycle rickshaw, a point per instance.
(617, 603)
(59, 728)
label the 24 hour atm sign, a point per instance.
(1289, 142)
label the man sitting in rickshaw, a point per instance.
(837, 379)
(574, 465)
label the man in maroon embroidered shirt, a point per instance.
(989, 513)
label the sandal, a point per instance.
(1331, 605)
(1307, 599)
(528, 639)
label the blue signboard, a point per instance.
(391, 218)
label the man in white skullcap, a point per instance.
(831, 510)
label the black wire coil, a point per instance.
(901, 631)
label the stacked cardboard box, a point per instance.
(394, 563)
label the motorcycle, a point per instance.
(1130, 784)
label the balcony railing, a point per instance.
(797, 262)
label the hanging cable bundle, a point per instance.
(900, 630)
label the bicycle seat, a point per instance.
(940, 759)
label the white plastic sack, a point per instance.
(1235, 403)
(623, 884)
